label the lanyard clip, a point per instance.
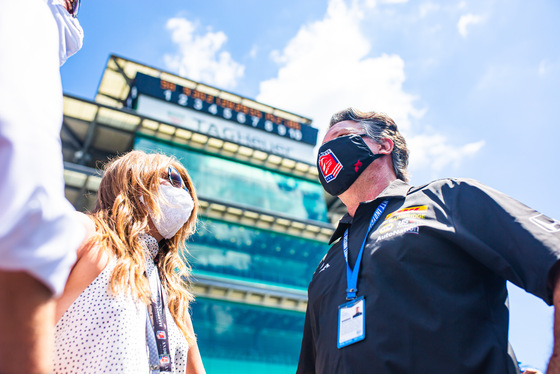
(351, 293)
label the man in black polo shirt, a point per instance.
(426, 266)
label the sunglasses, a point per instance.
(175, 178)
(75, 7)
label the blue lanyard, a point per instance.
(352, 274)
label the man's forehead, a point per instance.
(343, 128)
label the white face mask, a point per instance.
(70, 33)
(176, 206)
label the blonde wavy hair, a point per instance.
(127, 193)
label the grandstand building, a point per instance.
(263, 215)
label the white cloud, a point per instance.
(328, 66)
(435, 152)
(373, 3)
(200, 55)
(546, 67)
(466, 21)
(254, 51)
(427, 8)
(325, 68)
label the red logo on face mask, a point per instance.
(358, 165)
(329, 165)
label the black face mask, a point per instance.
(341, 161)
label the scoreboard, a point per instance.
(218, 107)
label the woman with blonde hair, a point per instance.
(125, 305)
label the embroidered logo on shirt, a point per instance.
(325, 266)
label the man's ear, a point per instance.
(386, 146)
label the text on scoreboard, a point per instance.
(216, 106)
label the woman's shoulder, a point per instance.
(91, 260)
(88, 224)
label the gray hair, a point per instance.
(379, 126)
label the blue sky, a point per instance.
(473, 85)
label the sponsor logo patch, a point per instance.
(406, 230)
(402, 221)
(411, 212)
(160, 335)
(329, 165)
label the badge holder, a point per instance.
(351, 322)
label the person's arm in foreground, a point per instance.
(27, 304)
(26, 324)
(28, 314)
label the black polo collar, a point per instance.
(396, 189)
